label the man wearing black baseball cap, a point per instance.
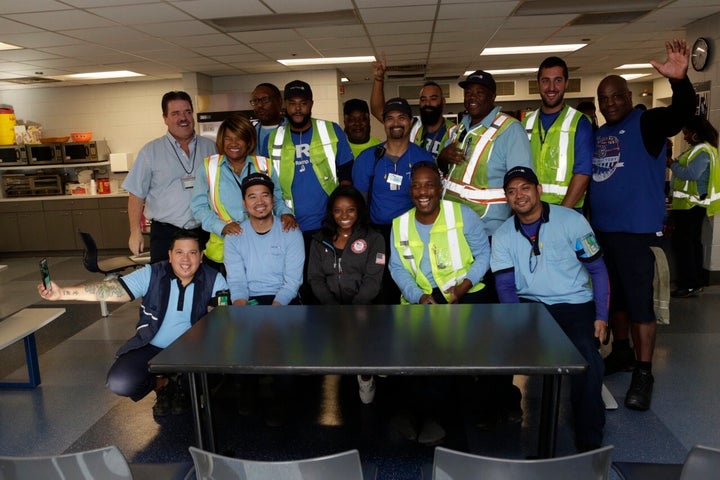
(548, 254)
(483, 146)
(312, 157)
(356, 116)
(382, 175)
(264, 263)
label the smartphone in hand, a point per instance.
(45, 274)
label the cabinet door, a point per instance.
(59, 226)
(9, 232)
(87, 221)
(115, 227)
(33, 235)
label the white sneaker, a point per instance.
(366, 388)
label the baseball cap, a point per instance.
(397, 104)
(298, 88)
(480, 77)
(355, 104)
(520, 172)
(257, 178)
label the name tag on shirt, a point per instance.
(394, 180)
(188, 182)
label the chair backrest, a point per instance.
(102, 464)
(90, 254)
(453, 465)
(345, 466)
(701, 463)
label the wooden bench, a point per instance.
(24, 324)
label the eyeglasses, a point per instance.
(260, 101)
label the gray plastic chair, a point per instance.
(102, 464)
(453, 465)
(340, 466)
(701, 463)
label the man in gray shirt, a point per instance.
(162, 178)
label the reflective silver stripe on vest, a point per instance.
(276, 155)
(554, 189)
(453, 244)
(405, 242)
(327, 146)
(414, 130)
(564, 145)
(485, 196)
(485, 139)
(530, 123)
(212, 174)
(681, 194)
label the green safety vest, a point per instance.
(323, 148)
(214, 247)
(450, 254)
(468, 183)
(555, 156)
(417, 132)
(685, 192)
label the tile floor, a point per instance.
(71, 410)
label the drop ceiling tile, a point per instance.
(8, 27)
(235, 49)
(24, 55)
(267, 36)
(283, 6)
(396, 40)
(361, 44)
(205, 9)
(538, 21)
(393, 3)
(213, 39)
(9, 7)
(399, 27)
(107, 35)
(475, 10)
(136, 14)
(39, 39)
(61, 20)
(336, 32)
(173, 28)
(397, 14)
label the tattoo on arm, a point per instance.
(105, 290)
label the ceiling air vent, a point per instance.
(610, 18)
(505, 88)
(406, 71)
(574, 86)
(29, 80)
(412, 92)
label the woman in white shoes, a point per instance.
(347, 260)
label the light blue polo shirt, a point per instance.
(557, 275)
(177, 317)
(157, 177)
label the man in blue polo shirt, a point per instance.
(382, 175)
(548, 254)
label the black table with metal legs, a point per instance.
(480, 339)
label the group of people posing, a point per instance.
(292, 209)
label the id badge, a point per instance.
(394, 180)
(188, 182)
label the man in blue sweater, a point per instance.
(627, 204)
(264, 263)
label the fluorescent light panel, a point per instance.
(632, 66)
(290, 62)
(528, 49)
(344, 79)
(103, 75)
(7, 46)
(633, 76)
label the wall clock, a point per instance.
(699, 54)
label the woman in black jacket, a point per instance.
(347, 260)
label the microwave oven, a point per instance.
(44, 154)
(13, 156)
(86, 152)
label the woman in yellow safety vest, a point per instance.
(217, 198)
(696, 194)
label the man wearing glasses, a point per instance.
(549, 254)
(267, 108)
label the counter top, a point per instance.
(63, 197)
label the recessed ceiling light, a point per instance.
(7, 46)
(631, 66)
(103, 75)
(570, 47)
(633, 76)
(506, 71)
(344, 79)
(289, 62)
